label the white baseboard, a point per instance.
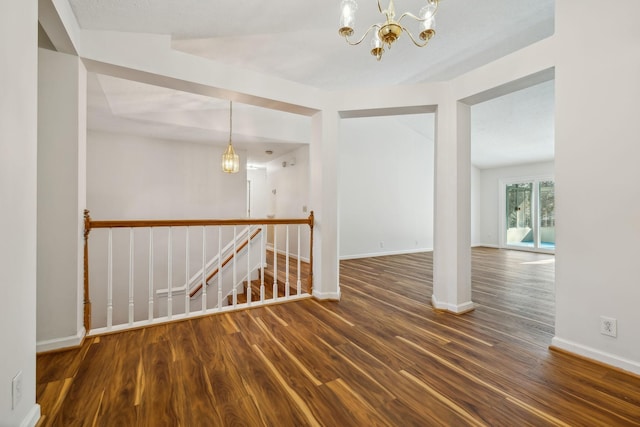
(452, 308)
(597, 355)
(326, 296)
(485, 245)
(386, 253)
(292, 256)
(60, 343)
(32, 417)
(409, 251)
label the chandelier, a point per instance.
(230, 160)
(388, 32)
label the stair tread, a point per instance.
(281, 279)
(268, 292)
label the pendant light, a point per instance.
(230, 160)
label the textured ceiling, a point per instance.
(515, 128)
(298, 41)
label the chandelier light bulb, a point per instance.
(376, 46)
(427, 27)
(347, 18)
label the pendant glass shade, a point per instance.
(230, 160)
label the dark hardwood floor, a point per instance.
(379, 357)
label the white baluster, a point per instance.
(219, 267)
(275, 262)
(204, 269)
(131, 266)
(110, 281)
(150, 274)
(248, 265)
(262, 261)
(187, 298)
(234, 281)
(169, 274)
(299, 282)
(286, 257)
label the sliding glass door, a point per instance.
(519, 198)
(529, 221)
(547, 214)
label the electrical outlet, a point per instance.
(608, 326)
(381, 245)
(16, 390)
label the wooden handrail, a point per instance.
(195, 222)
(225, 262)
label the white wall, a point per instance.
(489, 209)
(18, 162)
(62, 111)
(288, 176)
(259, 192)
(597, 175)
(130, 177)
(386, 177)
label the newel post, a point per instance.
(311, 253)
(87, 300)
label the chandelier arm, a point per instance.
(389, 12)
(413, 38)
(363, 36)
(417, 18)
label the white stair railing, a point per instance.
(133, 268)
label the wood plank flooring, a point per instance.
(379, 357)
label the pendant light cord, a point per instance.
(230, 119)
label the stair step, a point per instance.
(268, 292)
(281, 280)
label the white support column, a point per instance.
(18, 194)
(62, 133)
(323, 160)
(452, 216)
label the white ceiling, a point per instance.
(125, 106)
(514, 129)
(298, 41)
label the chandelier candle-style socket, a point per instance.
(390, 30)
(230, 160)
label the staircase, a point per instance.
(281, 282)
